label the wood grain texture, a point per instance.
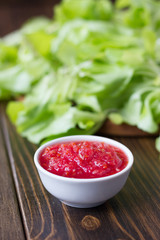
(10, 217)
(111, 129)
(133, 214)
(37, 209)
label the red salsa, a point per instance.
(83, 159)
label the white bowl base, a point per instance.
(79, 205)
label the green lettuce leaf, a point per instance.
(158, 144)
(93, 60)
(90, 9)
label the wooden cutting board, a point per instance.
(110, 128)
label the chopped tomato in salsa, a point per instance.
(83, 159)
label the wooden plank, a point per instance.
(10, 220)
(132, 214)
(42, 214)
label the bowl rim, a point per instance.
(84, 138)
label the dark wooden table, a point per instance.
(28, 211)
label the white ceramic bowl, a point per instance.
(83, 193)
